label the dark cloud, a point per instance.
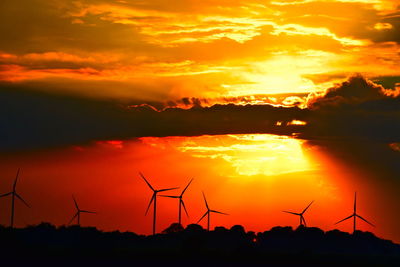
(355, 109)
(355, 91)
(390, 82)
(32, 119)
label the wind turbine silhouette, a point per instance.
(14, 194)
(208, 213)
(154, 199)
(355, 215)
(302, 220)
(78, 212)
(181, 202)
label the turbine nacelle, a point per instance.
(302, 219)
(14, 194)
(355, 215)
(154, 199)
(208, 212)
(78, 212)
(181, 202)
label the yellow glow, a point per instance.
(246, 154)
(282, 73)
(295, 29)
(297, 122)
(383, 26)
(382, 5)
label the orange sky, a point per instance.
(161, 50)
(117, 57)
(251, 177)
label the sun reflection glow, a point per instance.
(247, 154)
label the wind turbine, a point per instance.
(14, 194)
(181, 202)
(302, 220)
(208, 213)
(355, 215)
(78, 212)
(154, 200)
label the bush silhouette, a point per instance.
(47, 244)
(173, 228)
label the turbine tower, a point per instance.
(208, 213)
(154, 200)
(355, 215)
(78, 213)
(181, 202)
(14, 194)
(302, 220)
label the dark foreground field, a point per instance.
(47, 245)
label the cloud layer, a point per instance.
(33, 119)
(355, 109)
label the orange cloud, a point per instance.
(381, 5)
(15, 73)
(169, 28)
(293, 29)
(380, 26)
(67, 57)
(198, 49)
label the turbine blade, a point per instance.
(186, 187)
(304, 220)
(169, 196)
(87, 211)
(76, 204)
(162, 190)
(294, 213)
(20, 198)
(76, 214)
(205, 200)
(147, 182)
(184, 207)
(365, 220)
(202, 217)
(15, 181)
(307, 207)
(7, 194)
(151, 201)
(345, 219)
(219, 212)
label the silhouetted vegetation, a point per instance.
(46, 244)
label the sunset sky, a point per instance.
(268, 105)
(161, 50)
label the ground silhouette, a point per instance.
(48, 245)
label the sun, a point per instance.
(284, 73)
